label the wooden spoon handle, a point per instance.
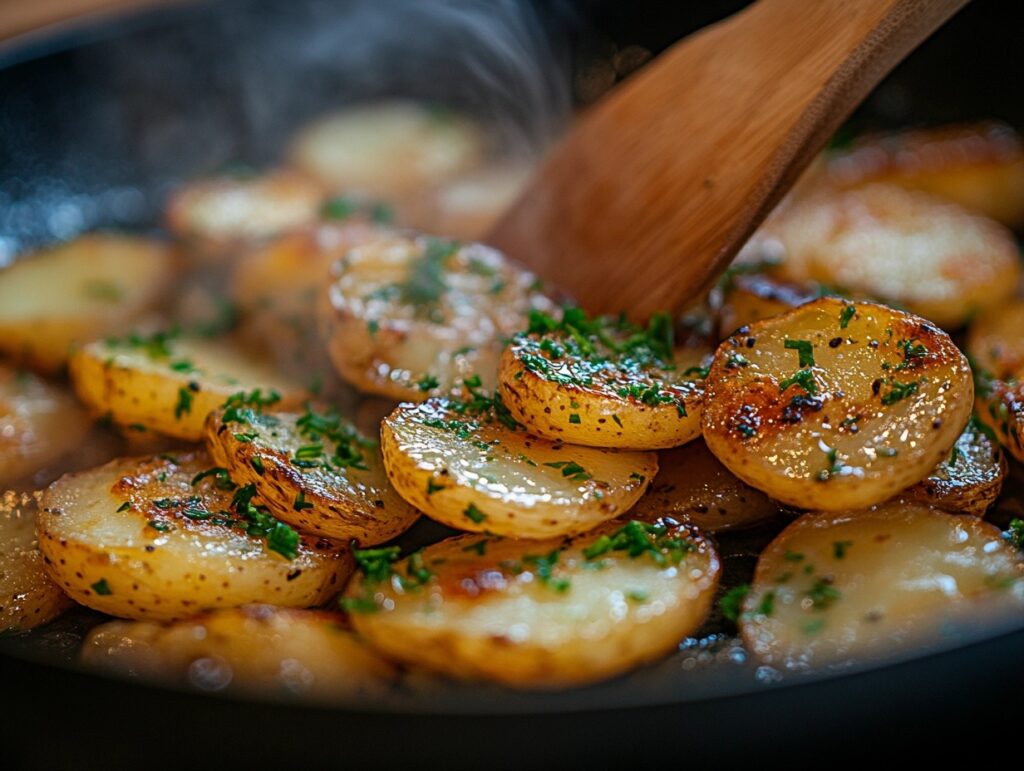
(662, 181)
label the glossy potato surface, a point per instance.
(881, 405)
(541, 614)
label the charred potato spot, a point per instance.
(857, 583)
(318, 473)
(477, 473)
(411, 317)
(833, 427)
(158, 538)
(543, 614)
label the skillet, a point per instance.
(99, 121)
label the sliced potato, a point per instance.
(28, 596)
(692, 486)
(539, 614)
(388, 148)
(223, 210)
(836, 404)
(170, 384)
(833, 586)
(145, 538)
(470, 470)
(39, 424)
(969, 480)
(104, 281)
(752, 297)
(410, 317)
(600, 383)
(313, 470)
(997, 353)
(926, 254)
(979, 166)
(255, 650)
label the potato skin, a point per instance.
(97, 534)
(475, 473)
(258, 651)
(343, 504)
(28, 596)
(834, 586)
(596, 415)
(486, 613)
(892, 394)
(132, 386)
(105, 282)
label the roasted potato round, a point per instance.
(692, 486)
(835, 404)
(312, 469)
(603, 383)
(221, 211)
(39, 423)
(411, 317)
(104, 282)
(751, 297)
(997, 353)
(539, 614)
(466, 466)
(837, 585)
(164, 537)
(254, 650)
(28, 596)
(388, 148)
(979, 166)
(926, 254)
(168, 383)
(969, 480)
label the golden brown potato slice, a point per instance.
(255, 650)
(164, 537)
(836, 404)
(220, 211)
(411, 317)
(101, 282)
(540, 614)
(834, 586)
(969, 480)
(747, 298)
(466, 466)
(692, 486)
(996, 347)
(39, 423)
(388, 149)
(926, 254)
(312, 469)
(168, 383)
(28, 596)
(979, 166)
(603, 382)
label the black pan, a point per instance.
(98, 122)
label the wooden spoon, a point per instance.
(657, 187)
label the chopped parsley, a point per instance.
(425, 282)
(899, 391)
(124, 507)
(731, 603)
(1015, 533)
(221, 478)
(804, 349)
(638, 538)
(847, 313)
(839, 548)
(101, 587)
(427, 383)
(301, 503)
(571, 470)
(474, 514)
(822, 594)
(184, 405)
(433, 487)
(544, 565)
(803, 378)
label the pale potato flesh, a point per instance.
(104, 282)
(979, 166)
(926, 254)
(611, 402)
(411, 317)
(969, 480)
(222, 210)
(171, 390)
(126, 539)
(28, 596)
(891, 395)
(692, 486)
(39, 424)
(541, 614)
(752, 297)
(387, 149)
(254, 650)
(834, 586)
(477, 474)
(306, 489)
